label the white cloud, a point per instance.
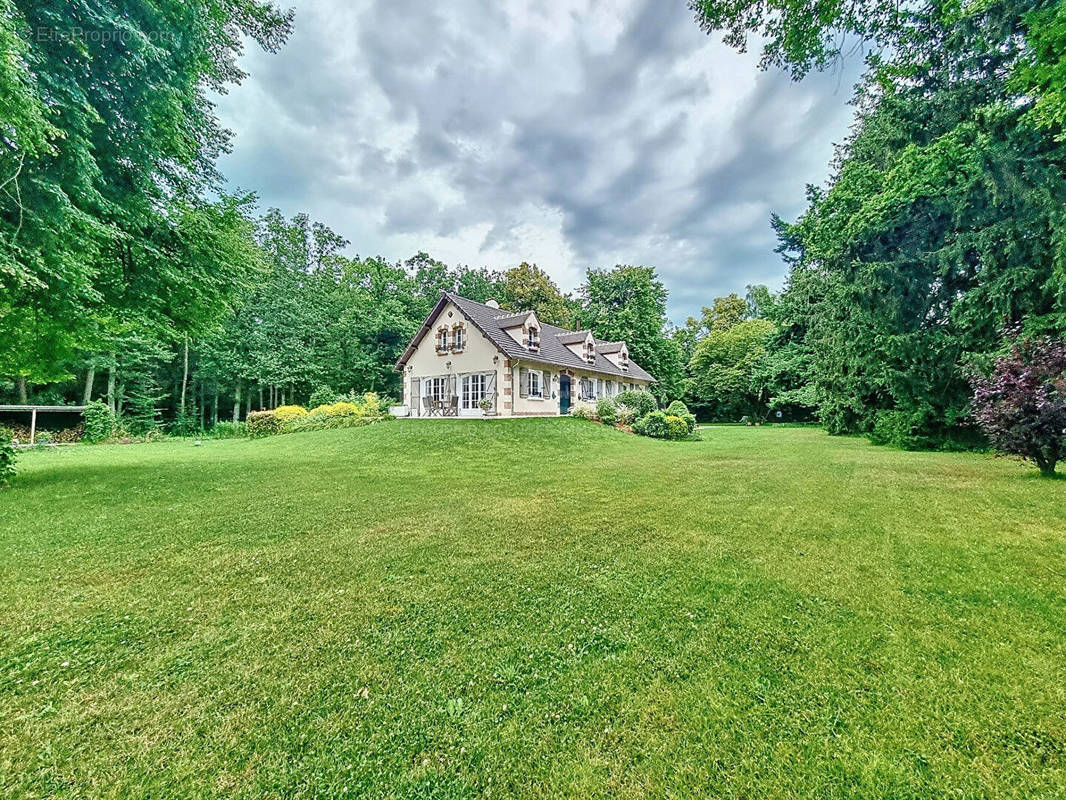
(571, 133)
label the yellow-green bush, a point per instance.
(343, 409)
(286, 414)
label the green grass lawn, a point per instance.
(532, 608)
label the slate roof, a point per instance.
(553, 350)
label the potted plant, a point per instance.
(485, 404)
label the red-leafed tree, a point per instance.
(1021, 405)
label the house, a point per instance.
(468, 352)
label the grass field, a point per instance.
(532, 608)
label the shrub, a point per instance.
(286, 414)
(7, 457)
(583, 410)
(322, 396)
(344, 409)
(677, 408)
(1021, 406)
(320, 422)
(43, 437)
(262, 423)
(372, 405)
(606, 411)
(228, 430)
(680, 410)
(901, 429)
(660, 425)
(625, 414)
(641, 402)
(99, 422)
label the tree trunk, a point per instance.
(90, 376)
(214, 408)
(184, 380)
(260, 397)
(248, 402)
(1047, 466)
(237, 403)
(111, 400)
(24, 395)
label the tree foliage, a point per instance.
(1021, 405)
(942, 220)
(629, 303)
(528, 287)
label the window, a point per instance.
(457, 339)
(610, 388)
(536, 383)
(533, 339)
(442, 340)
(590, 351)
(437, 389)
(623, 359)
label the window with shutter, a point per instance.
(523, 382)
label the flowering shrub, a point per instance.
(1021, 406)
(625, 414)
(606, 411)
(640, 401)
(7, 457)
(583, 410)
(286, 414)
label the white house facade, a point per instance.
(474, 359)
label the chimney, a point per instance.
(491, 303)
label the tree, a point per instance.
(113, 139)
(938, 226)
(528, 287)
(723, 367)
(1021, 405)
(629, 303)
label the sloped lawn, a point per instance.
(532, 608)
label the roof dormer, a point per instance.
(615, 352)
(581, 343)
(523, 327)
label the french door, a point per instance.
(473, 392)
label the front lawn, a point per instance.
(531, 608)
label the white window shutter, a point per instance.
(523, 382)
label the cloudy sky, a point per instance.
(570, 133)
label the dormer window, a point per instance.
(457, 339)
(590, 351)
(623, 359)
(533, 339)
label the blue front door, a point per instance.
(564, 394)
